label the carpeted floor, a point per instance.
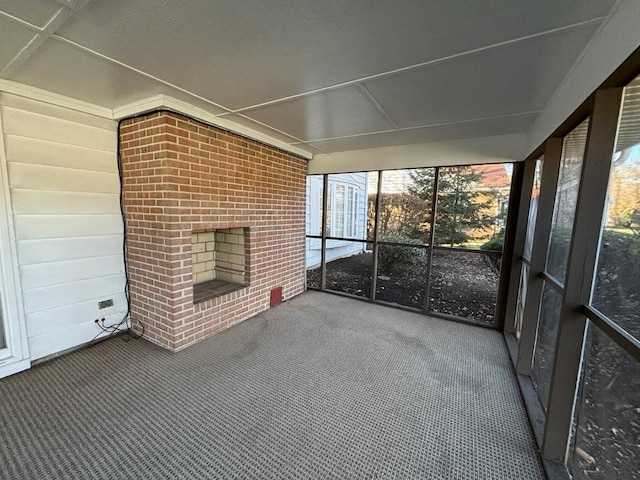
(320, 387)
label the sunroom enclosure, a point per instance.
(568, 292)
(573, 320)
(432, 242)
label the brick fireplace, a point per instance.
(219, 262)
(214, 222)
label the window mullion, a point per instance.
(542, 232)
(581, 267)
(520, 215)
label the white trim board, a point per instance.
(165, 102)
(470, 151)
(50, 98)
(14, 357)
(157, 102)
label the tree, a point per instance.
(401, 214)
(462, 206)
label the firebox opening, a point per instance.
(218, 259)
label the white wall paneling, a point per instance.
(63, 178)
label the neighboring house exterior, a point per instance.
(497, 180)
(346, 212)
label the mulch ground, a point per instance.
(462, 284)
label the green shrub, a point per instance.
(495, 243)
(395, 257)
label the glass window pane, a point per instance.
(349, 230)
(472, 205)
(354, 215)
(533, 209)
(330, 209)
(405, 208)
(565, 200)
(607, 437)
(338, 220)
(314, 204)
(349, 268)
(546, 342)
(522, 297)
(402, 275)
(2, 342)
(464, 284)
(617, 283)
(370, 197)
(347, 214)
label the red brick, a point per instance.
(181, 175)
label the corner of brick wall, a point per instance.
(181, 175)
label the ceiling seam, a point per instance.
(374, 101)
(139, 72)
(55, 22)
(586, 48)
(418, 127)
(45, 33)
(298, 141)
(419, 65)
(310, 92)
(75, 5)
(21, 22)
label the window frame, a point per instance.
(348, 228)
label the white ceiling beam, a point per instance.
(470, 151)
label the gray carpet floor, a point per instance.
(320, 387)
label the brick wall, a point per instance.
(230, 255)
(180, 176)
(202, 256)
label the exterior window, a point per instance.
(342, 210)
(352, 205)
(339, 211)
(321, 206)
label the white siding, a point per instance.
(335, 248)
(64, 185)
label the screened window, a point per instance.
(566, 199)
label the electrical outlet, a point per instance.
(105, 304)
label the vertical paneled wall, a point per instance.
(64, 186)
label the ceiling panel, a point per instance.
(36, 12)
(14, 38)
(244, 53)
(510, 79)
(246, 122)
(66, 70)
(441, 133)
(345, 111)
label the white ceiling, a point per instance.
(326, 76)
